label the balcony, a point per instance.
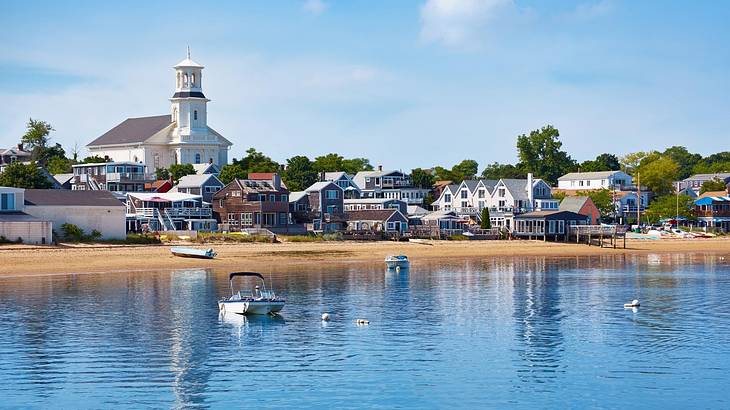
(469, 210)
(128, 176)
(398, 183)
(713, 214)
(184, 213)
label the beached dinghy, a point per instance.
(397, 262)
(258, 302)
(193, 253)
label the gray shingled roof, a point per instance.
(573, 203)
(195, 180)
(587, 175)
(296, 196)
(490, 183)
(370, 214)
(133, 130)
(471, 184)
(67, 197)
(708, 177)
(318, 186)
(516, 187)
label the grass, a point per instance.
(328, 237)
(235, 237)
(458, 238)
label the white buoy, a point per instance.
(634, 303)
(325, 317)
(361, 322)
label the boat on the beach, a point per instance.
(258, 302)
(397, 262)
(193, 253)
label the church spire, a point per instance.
(188, 52)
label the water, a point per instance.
(521, 333)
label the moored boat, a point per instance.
(258, 302)
(193, 253)
(397, 262)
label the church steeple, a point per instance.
(189, 104)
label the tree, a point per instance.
(485, 223)
(602, 199)
(255, 161)
(299, 173)
(540, 152)
(631, 161)
(178, 171)
(421, 178)
(442, 174)
(715, 163)
(666, 207)
(355, 165)
(559, 195)
(603, 162)
(36, 134)
(684, 159)
(713, 185)
(466, 169)
(230, 172)
(94, 159)
(27, 176)
(162, 174)
(499, 171)
(59, 165)
(428, 200)
(328, 163)
(659, 175)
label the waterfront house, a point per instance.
(511, 197)
(581, 205)
(390, 185)
(253, 203)
(584, 181)
(169, 211)
(447, 198)
(344, 181)
(695, 182)
(547, 224)
(319, 208)
(375, 203)
(111, 176)
(713, 210)
(377, 220)
(89, 210)
(180, 137)
(17, 225)
(205, 185)
(447, 220)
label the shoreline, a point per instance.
(24, 260)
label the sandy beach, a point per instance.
(30, 260)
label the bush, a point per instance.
(72, 233)
(458, 237)
(336, 236)
(207, 237)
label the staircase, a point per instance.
(165, 222)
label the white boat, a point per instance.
(193, 253)
(258, 302)
(397, 262)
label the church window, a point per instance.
(185, 80)
(192, 82)
(197, 158)
(195, 115)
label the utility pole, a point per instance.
(638, 200)
(676, 219)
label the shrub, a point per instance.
(71, 232)
(458, 237)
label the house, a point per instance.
(581, 205)
(469, 197)
(17, 225)
(181, 137)
(713, 210)
(439, 186)
(63, 180)
(511, 197)
(445, 220)
(319, 207)
(695, 182)
(344, 181)
(89, 210)
(390, 185)
(447, 198)
(547, 224)
(207, 168)
(253, 203)
(111, 176)
(11, 155)
(375, 203)
(377, 220)
(161, 185)
(205, 185)
(169, 211)
(584, 181)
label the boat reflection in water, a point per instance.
(255, 325)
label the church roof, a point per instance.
(133, 130)
(188, 63)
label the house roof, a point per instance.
(416, 210)
(587, 175)
(133, 130)
(258, 186)
(296, 196)
(471, 184)
(63, 178)
(573, 203)
(156, 184)
(545, 214)
(370, 200)
(15, 151)
(18, 216)
(517, 187)
(188, 62)
(165, 196)
(206, 168)
(261, 176)
(334, 176)
(710, 199)
(436, 215)
(66, 197)
(370, 214)
(318, 186)
(708, 177)
(359, 178)
(195, 180)
(713, 193)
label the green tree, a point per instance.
(485, 223)
(428, 200)
(59, 165)
(229, 172)
(466, 169)
(659, 175)
(421, 178)
(36, 134)
(713, 185)
(442, 174)
(602, 199)
(299, 173)
(328, 163)
(715, 163)
(684, 159)
(559, 195)
(499, 171)
(27, 176)
(631, 161)
(178, 171)
(255, 161)
(162, 174)
(603, 162)
(541, 153)
(355, 165)
(666, 207)
(95, 159)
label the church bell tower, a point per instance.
(189, 105)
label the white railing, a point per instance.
(469, 210)
(189, 212)
(128, 176)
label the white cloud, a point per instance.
(586, 11)
(457, 23)
(315, 7)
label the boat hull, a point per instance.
(251, 307)
(397, 264)
(193, 253)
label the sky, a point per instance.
(407, 83)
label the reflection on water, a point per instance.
(500, 332)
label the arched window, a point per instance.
(197, 158)
(185, 80)
(195, 115)
(192, 82)
(178, 80)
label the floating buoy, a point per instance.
(634, 303)
(361, 322)
(325, 317)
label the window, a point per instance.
(464, 194)
(193, 81)
(284, 198)
(246, 218)
(272, 198)
(481, 193)
(464, 204)
(331, 209)
(447, 198)
(377, 181)
(195, 115)
(332, 194)
(283, 218)
(232, 219)
(561, 226)
(501, 192)
(391, 226)
(235, 193)
(197, 157)
(551, 226)
(269, 219)
(580, 183)
(7, 202)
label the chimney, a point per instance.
(321, 176)
(276, 181)
(20, 146)
(530, 192)
(210, 160)
(380, 168)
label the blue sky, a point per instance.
(404, 83)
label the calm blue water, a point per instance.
(500, 333)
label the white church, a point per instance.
(183, 137)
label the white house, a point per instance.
(15, 224)
(89, 210)
(390, 185)
(447, 199)
(515, 196)
(584, 181)
(181, 137)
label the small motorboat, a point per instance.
(258, 302)
(397, 262)
(193, 253)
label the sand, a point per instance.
(40, 260)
